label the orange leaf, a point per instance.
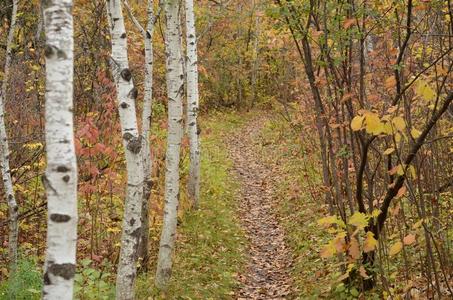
(390, 82)
(328, 250)
(347, 96)
(409, 239)
(348, 23)
(362, 272)
(401, 192)
(354, 250)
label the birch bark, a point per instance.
(146, 123)
(60, 179)
(175, 90)
(133, 144)
(193, 186)
(4, 157)
(146, 127)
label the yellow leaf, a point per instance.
(373, 124)
(399, 123)
(356, 123)
(375, 213)
(330, 42)
(388, 129)
(425, 91)
(389, 151)
(415, 133)
(370, 242)
(359, 220)
(328, 251)
(327, 221)
(409, 239)
(396, 248)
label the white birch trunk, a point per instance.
(193, 186)
(146, 127)
(146, 124)
(175, 90)
(133, 144)
(60, 179)
(4, 151)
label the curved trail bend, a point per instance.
(269, 259)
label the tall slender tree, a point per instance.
(4, 148)
(192, 104)
(146, 122)
(60, 179)
(175, 89)
(133, 145)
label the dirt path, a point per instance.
(267, 272)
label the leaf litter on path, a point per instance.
(267, 274)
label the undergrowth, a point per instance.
(26, 284)
(210, 244)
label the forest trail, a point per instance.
(267, 272)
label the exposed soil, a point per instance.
(267, 272)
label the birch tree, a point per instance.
(4, 148)
(133, 144)
(175, 89)
(60, 179)
(146, 122)
(192, 105)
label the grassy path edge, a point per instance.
(211, 244)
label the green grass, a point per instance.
(211, 244)
(26, 284)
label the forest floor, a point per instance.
(277, 169)
(267, 275)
